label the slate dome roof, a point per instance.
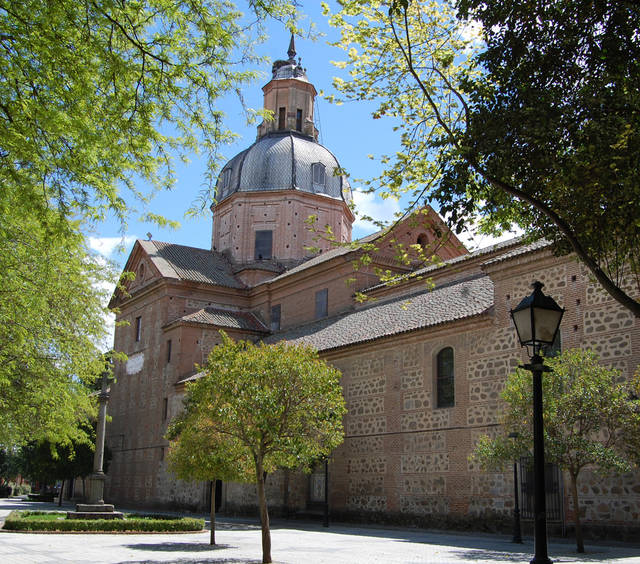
(284, 160)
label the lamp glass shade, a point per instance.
(537, 318)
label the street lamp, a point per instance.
(537, 319)
(517, 530)
(326, 492)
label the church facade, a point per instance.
(422, 363)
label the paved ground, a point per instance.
(292, 543)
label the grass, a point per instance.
(132, 522)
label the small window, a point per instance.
(275, 317)
(225, 181)
(445, 394)
(168, 351)
(317, 174)
(299, 119)
(282, 118)
(140, 276)
(264, 241)
(165, 408)
(138, 328)
(423, 240)
(322, 303)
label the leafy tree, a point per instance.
(97, 95)
(537, 126)
(51, 324)
(585, 411)
(257, 408)
(48, 461)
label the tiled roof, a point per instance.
(328, 255)
(450, 302)
(190, 263)
(245, 321)
(462, 258)
(521, 250)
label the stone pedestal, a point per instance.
(95, 488)
(94, 511)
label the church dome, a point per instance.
(284, 160)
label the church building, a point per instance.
(423, 360)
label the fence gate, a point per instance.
(553, 486)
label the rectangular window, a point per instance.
(275, 317)
(322, 303)
(165, 408)
(299, 119)
(168, 351)
(138, 328)
(282, 118)
(317, 174)
(264, 241)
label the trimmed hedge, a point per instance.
(25, 521)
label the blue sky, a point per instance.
(347, 130)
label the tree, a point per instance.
(51, 324)
(47, 461)
(585, 411)
(537, 126)
(98, 95)
(256, 409)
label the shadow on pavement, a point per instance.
(178, 547)
(190, 561)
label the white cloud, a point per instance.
(370, 205)
(474, 240)
(106, 248)
(107, 245)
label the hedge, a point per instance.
(16, 521)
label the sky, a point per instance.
(347, 130)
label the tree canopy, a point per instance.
(51, 327)
(257, 408)
(98, 96)
(533, 122)
(587, 415)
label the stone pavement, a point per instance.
(292, 543)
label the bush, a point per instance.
(47, 521)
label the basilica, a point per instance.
(423, 360)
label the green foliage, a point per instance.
(257, 408)
(46, 462)
(528, 118)
(57, 521)
(51, 322)
(96, 96)
(586, 412)
(279, 403)
(585, 408)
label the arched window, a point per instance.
(140, 276)
(423, 240)
(445, 393)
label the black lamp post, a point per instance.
(517, 530)
(537, 319)
(326, 492)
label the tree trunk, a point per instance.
(61, 493)
(212, 513)
(576, 509)
(264, 514)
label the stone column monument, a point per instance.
(95, 507)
